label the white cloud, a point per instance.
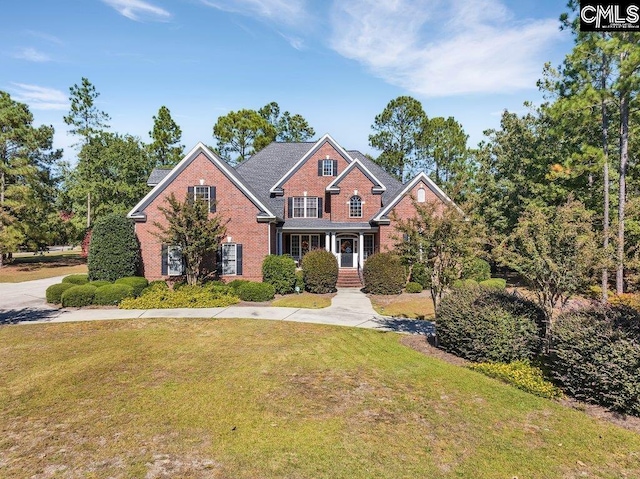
(40, 98)
(440, 48)
(287, 12)
(31, 55)
(139, 10)
(45, 36)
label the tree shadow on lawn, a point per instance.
(14, 316)
(410, 326)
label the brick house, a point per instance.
(288, 198)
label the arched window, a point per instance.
(422, 195)
(355, 207)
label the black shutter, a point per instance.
(190, 193)
(164, 269)
(319, 207)
(335, 167)
(239, 259)
(290, 212)
(212, 199)
(219, 262)
(319, 167)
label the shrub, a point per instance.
(320, 271)
(595, 356)
(383, 274)
(299, 280)
(421, 275)
(111, 294)
(236, 283)
(412, 287)
(256, 292)
(77, 279)
(114, 251)
(494, 283)
(78, 296)
(99, 282)
(220, 287)
(279, 271)
(477, 269)
(485, 325)
(464, 283)
(522, 375)
(158, 297)
(138, 283)
(631, 300)
(54, 292)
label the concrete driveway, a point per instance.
(26, 301)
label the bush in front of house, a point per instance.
(412, 287)
(114, 252)
(299, 281)
(256, 292)
(484, 325)
(78, 296)
(464, 283)
(138, 283)
(112, 294)
(155, 285)
(99, 282)
(494, 283)
(320, 271)
(54, 292)
(77, 279)
(159, 297)
(595, 356)
(477, 269)
(279, 271)
(522, 375)
(384, 274)
(236, 283)
(422, 275)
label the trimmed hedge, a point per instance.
(383, 274)
(112, 294)
(256, 292)
(494, 283)
(236, 283)
(138, 283)
(484, 325)
(299, 281)
(522, 375)
(158, 297)
(412, 287)
(595, 356)
(78, 296)
(279, 271)
(77, 279)
(320, 271)
(476, 269)
(113, 252)
(99, 282)
(464, 283)
(54, 292)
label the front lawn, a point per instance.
(405, 305)
(29, 266)
(196, 398)
(303, 300)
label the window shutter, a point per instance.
(290, 212)
(212, 199)
(219, 261)
(239, 259)
(164, 269)
(319, 167)
(335, 167)
(190, 193)
(319, 207)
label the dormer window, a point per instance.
(327, 167)
(355, 207)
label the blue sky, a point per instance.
(336, 62)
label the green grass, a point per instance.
(196, 398)
(303, 300)
(28, 267)
(405, 305)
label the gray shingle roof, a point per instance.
(157, 175)
(323, 224)
(393, 185)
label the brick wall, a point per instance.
(232, 203)
(354, 181)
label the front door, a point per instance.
(347, 252)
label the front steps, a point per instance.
(349, 278)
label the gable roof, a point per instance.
(277, 187)
(157, 175)
(137, 212)
(422, 176)
(378, 187)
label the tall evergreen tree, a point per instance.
(165, 148)
(242, 133)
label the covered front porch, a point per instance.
(350, 243)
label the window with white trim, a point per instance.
(368, 246)
(305, 207)
(422, 195)
(229, 259)
(327, 167)
(355, 207)
(302, 244)
(175, 265)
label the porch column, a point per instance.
(327, 245)
(361, 249)
(333, 242)
(279, 242)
